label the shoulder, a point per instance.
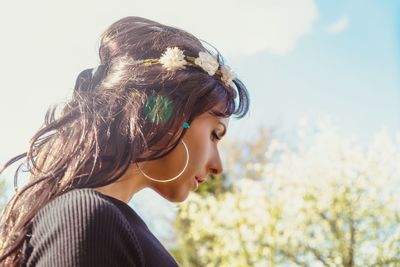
(83, 211)
(90, 227)
(77, 206)
(87, 197)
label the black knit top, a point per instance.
(86, 228)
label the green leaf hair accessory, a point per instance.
(158, 109)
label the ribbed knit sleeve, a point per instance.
(81, 229)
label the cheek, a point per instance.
(199, 150)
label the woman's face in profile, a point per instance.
(204, 159)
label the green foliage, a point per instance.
(326, 202)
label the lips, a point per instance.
(197, 181)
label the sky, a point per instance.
(346, 67)
(302, 60)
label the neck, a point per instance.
(126, 186)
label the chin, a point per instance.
(174, 196)
(178, 199)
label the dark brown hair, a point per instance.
(117, 112)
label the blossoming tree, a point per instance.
(326, 202)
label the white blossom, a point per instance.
(327, 180)
(207, 62)
(173, 58)
(227, 75)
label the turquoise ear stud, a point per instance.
(186, 125)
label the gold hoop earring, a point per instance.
(173, 178)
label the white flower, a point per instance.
(227, 75)
(173, 58)
(207, 62)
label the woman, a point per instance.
(149, 116)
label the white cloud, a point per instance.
(241, 27)
(50, 42)
(338, 26)
(236, 27)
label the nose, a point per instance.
(215, 165)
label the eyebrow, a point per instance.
(224, 132)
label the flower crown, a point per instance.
(174, 59)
